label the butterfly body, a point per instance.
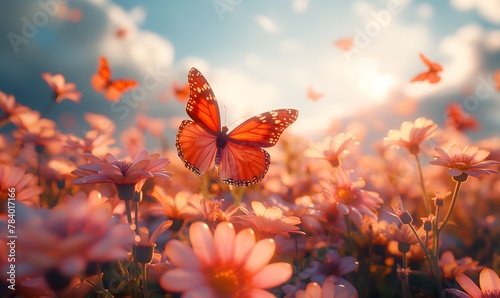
(238, 154)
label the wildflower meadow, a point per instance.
(232, 149)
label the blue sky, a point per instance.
(261, 55)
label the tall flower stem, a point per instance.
(404, 278)
(452, 205)
(435, 242)
(128, 211)
(422, 185)
(349, 238)
(144, 280)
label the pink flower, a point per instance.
(271, 221)
(126, 175)
(94, 142)
(22, 184)
(122, 172)
(328, 290)
(469, 161)
(67, 238)
(331, 148)
(451, 267)
(333, 266)
(61, 89)
(411, 135)
(223, 265)
(182, 206)
(488, 280)
(350, 197)
(100, 123)
(133, 141)
(9, 106)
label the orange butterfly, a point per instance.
(458, 119)
(344, 44)
(432, 74)
(181, 92)
(314, 96)
(113, 90)
(238, 155)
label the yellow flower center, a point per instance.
(225, 282)
(345, 196)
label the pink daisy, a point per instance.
(271, 221)
(122, 172)
(411, 135)
(22, 184)
(331, 148)
(351, 199)
(488, 280)
(61, 89)
(469, 161)
(223, 265)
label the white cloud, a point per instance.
(300, 6)
(489, 9)
(267, 24)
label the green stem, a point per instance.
(436, 234)
(422, 185)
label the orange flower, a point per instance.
(469, 161)
(61, 89)
(223, 265)
(411, 135)
(100, 123)
(9, 106)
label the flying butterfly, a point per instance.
(113, 89)
(313, 95)
(344, 44)
(237, 155)
(432, 74)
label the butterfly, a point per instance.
(180, 92)
(237, 155)
(113, 89)
(344, 44)
(457, 118)
(312, 95)
(432, 74)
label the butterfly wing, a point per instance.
(116, 88)
(202, 105)
(420, 77)
(433, 77)
(243, 165)
(195, 146)
(264, 129)
(101, 79)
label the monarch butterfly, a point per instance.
(432, 74)
(237, 155)
(113, 90)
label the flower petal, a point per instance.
(489, 280)
(202, 242)
(272, 275)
